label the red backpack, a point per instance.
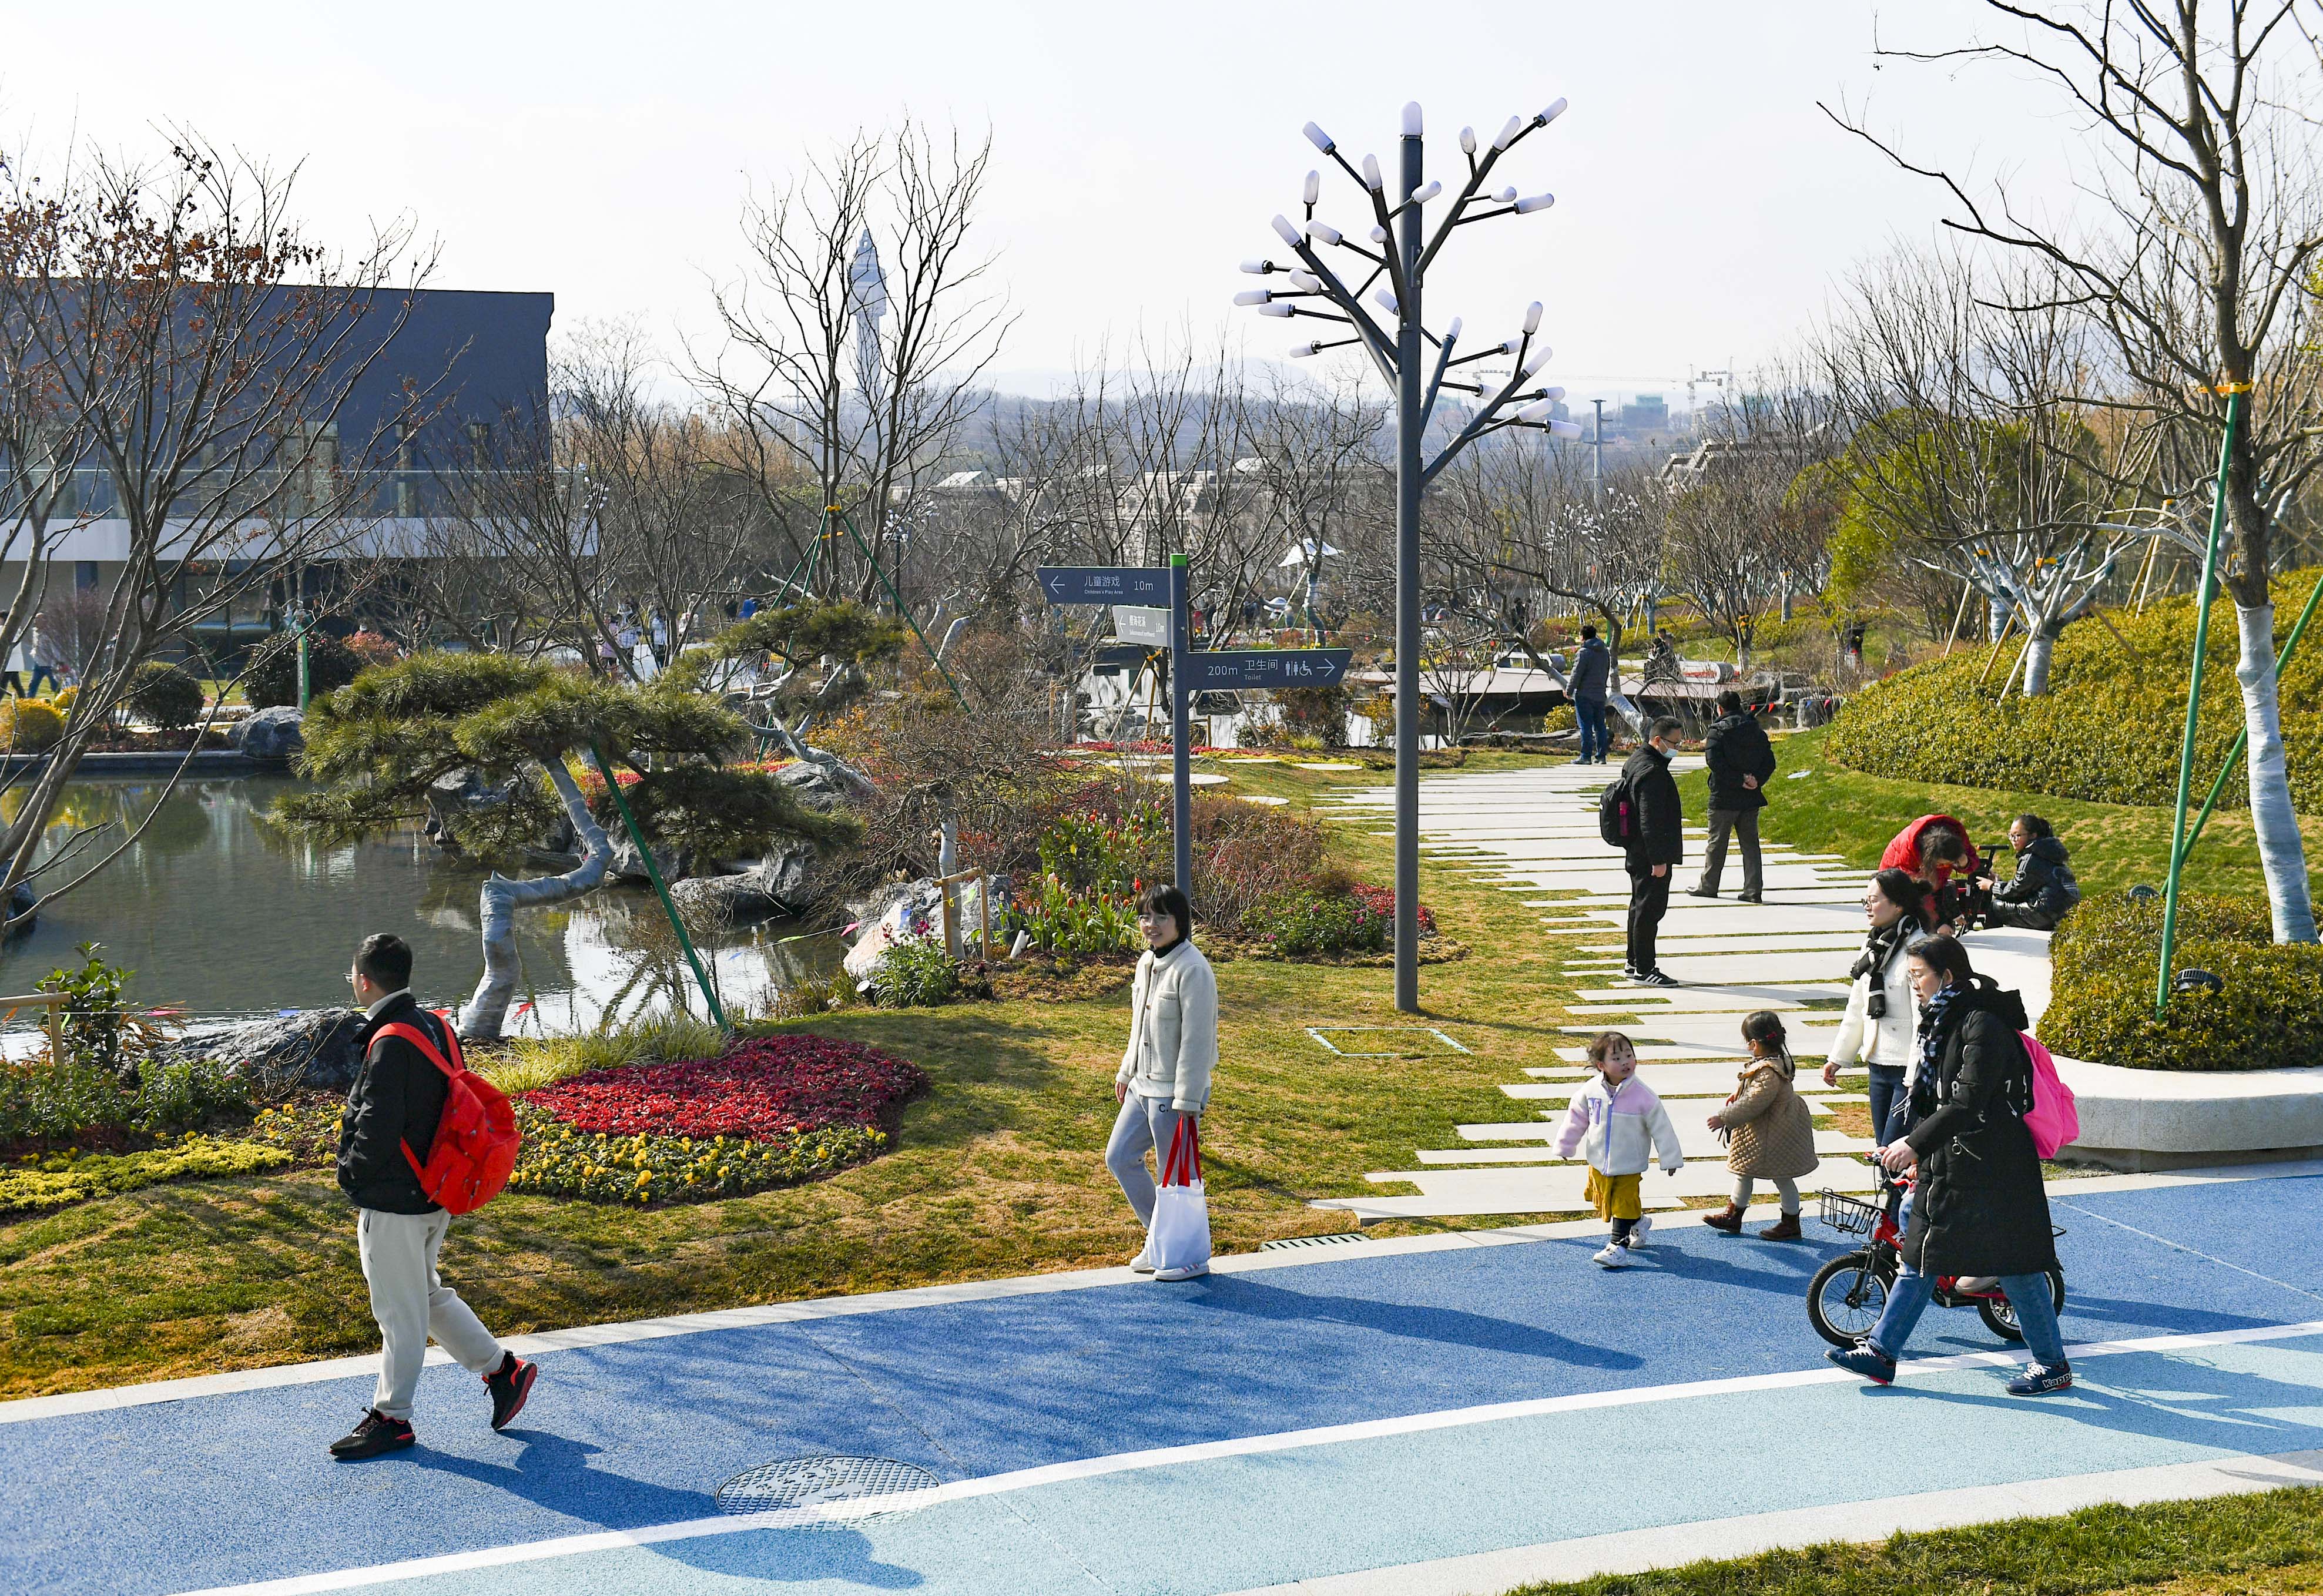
(476, 1141)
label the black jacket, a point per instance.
(2043, 881)
(1736, 745)
(397, 1099)
(1652, 798)
(1593, 669)
(1981, 1208)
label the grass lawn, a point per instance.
(2113, 846)
(997, 1171)
(2262, 1545)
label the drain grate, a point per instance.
(822, 1480)
(1333, 1239)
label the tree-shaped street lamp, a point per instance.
(1400, 250)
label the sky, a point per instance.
(1705, 206)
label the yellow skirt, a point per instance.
(1615, 1197)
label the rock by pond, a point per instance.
(271, 737)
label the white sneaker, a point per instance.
(1142, 1263)
(1612, 1255)
(1637, 1233)
(1184, 1272)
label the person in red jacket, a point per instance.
(384, 1132)
(1936, 849)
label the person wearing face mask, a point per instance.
(1876, 1031)
(1173, 1047)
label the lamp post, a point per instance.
(1402, 248)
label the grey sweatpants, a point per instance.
(411, 1303)
(1146, 1124)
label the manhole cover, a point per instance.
(820, 1482)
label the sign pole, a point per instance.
(1181, 694)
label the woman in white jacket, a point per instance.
(1878, 1029)
(1173, 1046)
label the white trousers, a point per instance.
(410, 1303)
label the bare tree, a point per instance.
(196, 351)
(866, 419)
(1745, 523)
(2202, 278)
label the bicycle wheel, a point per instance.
(1847, 1296)
(2000, 1318)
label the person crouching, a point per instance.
(1617, 1124)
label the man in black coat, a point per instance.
(1658, 844)
(385, 1132)
(1741, 762)
(1590, 684)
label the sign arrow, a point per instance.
(1265, 667)
(1144, 586)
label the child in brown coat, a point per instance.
(1771, 1134)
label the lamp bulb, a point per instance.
(1386, 298)
(1428, 193)
(1372, 180)
(1550, 113)
(1258, 268)
(1314, 190)
(1412, 119)
(1564, 429)
(1288, 233)
(1273, 309)
(1468, 140)
(1252, 297)
(1507, 196)
(1308, 280)
(1322, 232)
(1538, 360)
(1452, 333)
(1532, 319)
(1301, 350)
(1537, 202)
(1508, 133)
(1319, 138)
(1379, 235)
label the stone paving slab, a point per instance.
(1806, 1041)
(1683, 1079)
(1733, 996)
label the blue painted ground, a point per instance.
(226, 1490)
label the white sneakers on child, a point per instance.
(1616, 1254)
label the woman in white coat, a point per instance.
(1173, 1046)
(1878, 1029)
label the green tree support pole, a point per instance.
(2242, 737)
(2235, 401)
(848, 522)
(661, 889)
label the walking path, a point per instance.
(1534, 832)
(1435, 1414)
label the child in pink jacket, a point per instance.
(1617, 1124)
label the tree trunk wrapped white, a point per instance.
(2282, 852)
(501, 897)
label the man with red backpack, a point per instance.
(386, 1133)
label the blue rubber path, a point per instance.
(219, 1491)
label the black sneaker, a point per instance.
(509, 1385)
(1629, 972)
(1750, 897)
(373, 1435)
(1655, 978)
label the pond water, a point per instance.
(227, 915)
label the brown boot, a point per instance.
(1728, 1219)
(1786, 1229)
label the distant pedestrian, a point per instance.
(1978, 1207)
(1876, 1031)
(1589, 682)
(1173, 1048)
(41, 656)
(1770, 1134)
(2042, 891)
(1656, 847)
(385, 1132)
(1742, 762)
(1617, 1124)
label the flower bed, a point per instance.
(1359, 919)
(770, 1111)
(55, 1179)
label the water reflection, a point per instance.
(219, 910)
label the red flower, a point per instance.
(760, 1089)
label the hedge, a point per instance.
(2107, 730)
(2268, 1015)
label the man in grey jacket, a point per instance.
(1173, 1046)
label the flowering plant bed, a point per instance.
(562, 1162)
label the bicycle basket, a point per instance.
(1849, 1215)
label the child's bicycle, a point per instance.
(1848, 1294)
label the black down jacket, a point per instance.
(2043, 884)
(1981, 1208)
(1734, 746)
(397, 1100)
(1653, 796)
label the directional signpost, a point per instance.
(1135, 590)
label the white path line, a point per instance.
(1635, 1550)
(25, 1410)
(1160, 1458)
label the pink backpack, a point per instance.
(2055, 1120)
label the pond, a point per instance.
(222, 913)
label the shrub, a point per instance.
(71, 1177)
(373, 649)
(2108, 730)
(2269, 1013)
(48, 1101)
(273, 676)
(917, 972)
(1560, 718)
(29, 725)
(1354, 918)
(164, 695)
(62, 703)
(1059, 920)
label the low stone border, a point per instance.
(2166, 1119)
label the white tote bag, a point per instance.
(1181, 1235)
